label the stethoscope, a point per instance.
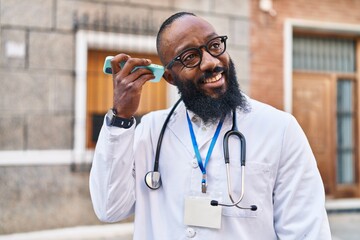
(153, 178)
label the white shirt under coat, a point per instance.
(281, 177)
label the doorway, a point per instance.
(325, 107)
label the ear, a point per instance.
(168, 77)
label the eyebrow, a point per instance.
(184, 48)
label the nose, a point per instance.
(208, 62)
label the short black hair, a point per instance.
(166, 24)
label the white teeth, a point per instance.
(213, 79)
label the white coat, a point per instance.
(281, 178)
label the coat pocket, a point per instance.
(258, 184)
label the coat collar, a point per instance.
(179, 126)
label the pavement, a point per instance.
(344, 218)
(120, 231)
(345, 226)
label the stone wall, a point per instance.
(36, 77)
(37, 93)
(43, 197)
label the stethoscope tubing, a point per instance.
(161, 136)
(235, 203)
(235, 132)
(153, 178)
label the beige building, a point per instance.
(53, 93)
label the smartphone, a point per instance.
(157, 70)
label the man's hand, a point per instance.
(127, 84)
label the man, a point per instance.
(283, 195)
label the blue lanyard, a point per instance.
(197, 152)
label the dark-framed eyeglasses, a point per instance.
(192, 57)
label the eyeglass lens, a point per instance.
(192, 57)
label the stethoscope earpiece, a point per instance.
(153, 180)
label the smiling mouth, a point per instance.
(213, 79)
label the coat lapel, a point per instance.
(179, 126)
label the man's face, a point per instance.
(189, 32)
(210, 89)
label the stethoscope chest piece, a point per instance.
(153, 180)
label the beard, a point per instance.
(211, 109)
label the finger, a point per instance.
(143, 79)
(131, 63)
(135, 80)
(115, 62)
(137, 73)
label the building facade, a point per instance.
(53, 94)
(299, 56)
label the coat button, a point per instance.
(190, 232)
(194, 163)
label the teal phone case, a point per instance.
(157, 70)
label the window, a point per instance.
(345, 132)
(324, 54)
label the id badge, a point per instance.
(199, 212)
